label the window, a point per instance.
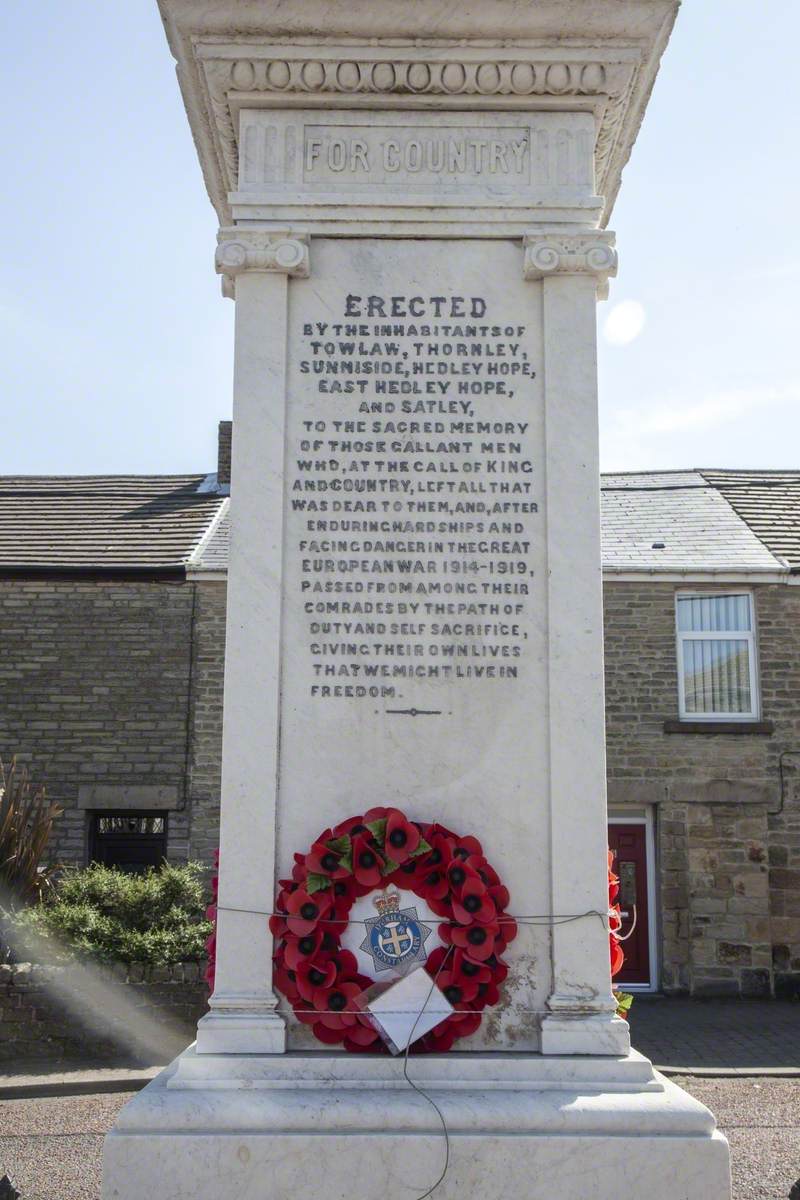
(132, 841)
(716, 656)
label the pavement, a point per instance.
(718, 1037)
(741, 1058)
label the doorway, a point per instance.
(631, 840)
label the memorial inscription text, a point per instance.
(412, 493)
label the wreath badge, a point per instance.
(381, 851)
(395, 940)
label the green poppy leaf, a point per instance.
(340, 845)
(378, 829)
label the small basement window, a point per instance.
(717, 677)
(132, 841)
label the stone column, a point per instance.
(574, 269)
(256, 266)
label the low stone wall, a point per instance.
(99, 1011)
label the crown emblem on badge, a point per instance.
(388, 903)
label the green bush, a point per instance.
(107, 914)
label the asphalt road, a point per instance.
(51, 1148)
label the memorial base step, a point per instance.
(344, 1127)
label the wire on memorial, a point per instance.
(528, 919)
(421, 1091)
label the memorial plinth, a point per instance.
(412, 202)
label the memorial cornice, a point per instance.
(240, 250)
(554, 56)
(591, 253)
(237, 75)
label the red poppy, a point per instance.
(458, 872)
(343, 893)
(484, 870)
(464, 1025)
(331, 1037)
(296, 950)
(473, 903)
(477, 940)
(311, 976)
(346, 965)
(498, 968)
(429, 870)
(466, 968)
(402, 838)
(336, 1004)
(373, 1046)
(304, 1011)
(367, 861)
(285, 981)
(304, 912)
(376, 814)
(349, 827)
(211, 951)
(363, 1033)
(440, 1040)
(321, 860)
(466, 847)
(617, 956)
(457, 988)
(507, 931)
(488, 993)
(499, 895)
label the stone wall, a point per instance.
(728, 832)
(207, 684)
(95, 682)
(224, 445)
(130, 1009)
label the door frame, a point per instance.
(645, 815)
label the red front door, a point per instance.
(629, 844)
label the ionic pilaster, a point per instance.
(593, 253)
(240, 250)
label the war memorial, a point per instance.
(412, 982)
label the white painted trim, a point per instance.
(706, 635)
(648, 820)
(197, 552)
(725, 575)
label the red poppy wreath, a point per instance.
(383, 850)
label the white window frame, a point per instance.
(682, 635)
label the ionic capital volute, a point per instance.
(240, 250)
(593, 253)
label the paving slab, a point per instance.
(718, 1037)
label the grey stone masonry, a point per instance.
(95, 678)
(98, 1011)
(224, 441)
(727, 804)
(206, 741)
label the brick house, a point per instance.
(112, 594)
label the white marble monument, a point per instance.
(413, 200)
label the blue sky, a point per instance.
(117, 347)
